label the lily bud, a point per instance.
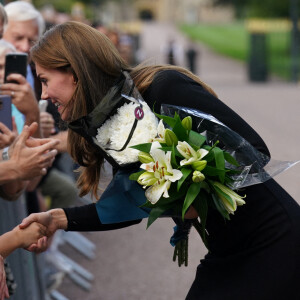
(170, 138)
(198, 176)
(147, 179)
(199, 165)
(187, 123)
(231, 200)
(145, 158)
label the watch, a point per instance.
(5, 155)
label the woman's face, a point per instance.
(58, 87)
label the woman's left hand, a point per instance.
(191, 213)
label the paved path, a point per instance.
(135, 264)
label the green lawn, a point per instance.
(233, 40)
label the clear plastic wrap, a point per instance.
(255, 167)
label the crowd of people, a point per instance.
(34, 162)
(242, 251)
(33, 153)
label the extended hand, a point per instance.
(53, 220)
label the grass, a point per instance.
(233, 40)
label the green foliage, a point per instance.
(192, 193)
(258, 8)
(233, 40)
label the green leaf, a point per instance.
(201, 206)
(168, 120)
(196, 139)
(220, 162)
(192, 193)
(155, 213)
(165, 148)
(142, 147)
(185, 173)
(212, 171)
(220, 207)
(180, 131)
(230, 159)
(135, 176)
(173, 158)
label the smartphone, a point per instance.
(15, 63)
(5, 111)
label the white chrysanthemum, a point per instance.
(114, 132)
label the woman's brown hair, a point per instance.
(95, 64)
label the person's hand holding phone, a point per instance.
(22, 96)
(47, 124)
(7, 136)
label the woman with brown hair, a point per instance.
(78, 66)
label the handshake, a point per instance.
(42, 226)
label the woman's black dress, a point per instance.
(255, 255)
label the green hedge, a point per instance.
(232, 40)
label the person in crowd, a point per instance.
(191, 55)
(255, 255)
(5, 47)
(20, 238)
(13, 240)
(3, 286)
(25, 25)
(7, 136)
(23, 160)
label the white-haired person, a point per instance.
(25, 25)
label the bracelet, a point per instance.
(5, 155)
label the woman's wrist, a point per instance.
(59, 218)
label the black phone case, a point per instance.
(15, 63)
(5, 111)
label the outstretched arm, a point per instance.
(20, 238)
(81, 218)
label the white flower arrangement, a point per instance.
(115, 131)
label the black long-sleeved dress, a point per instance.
(255, 255)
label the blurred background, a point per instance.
(261, 33)
(248, 52)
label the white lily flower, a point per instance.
(162, 171)
(160, 132)
(188, 152)
(201, 153)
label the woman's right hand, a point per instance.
(3, 287)
(53, 220)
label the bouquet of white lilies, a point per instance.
(179, 170)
